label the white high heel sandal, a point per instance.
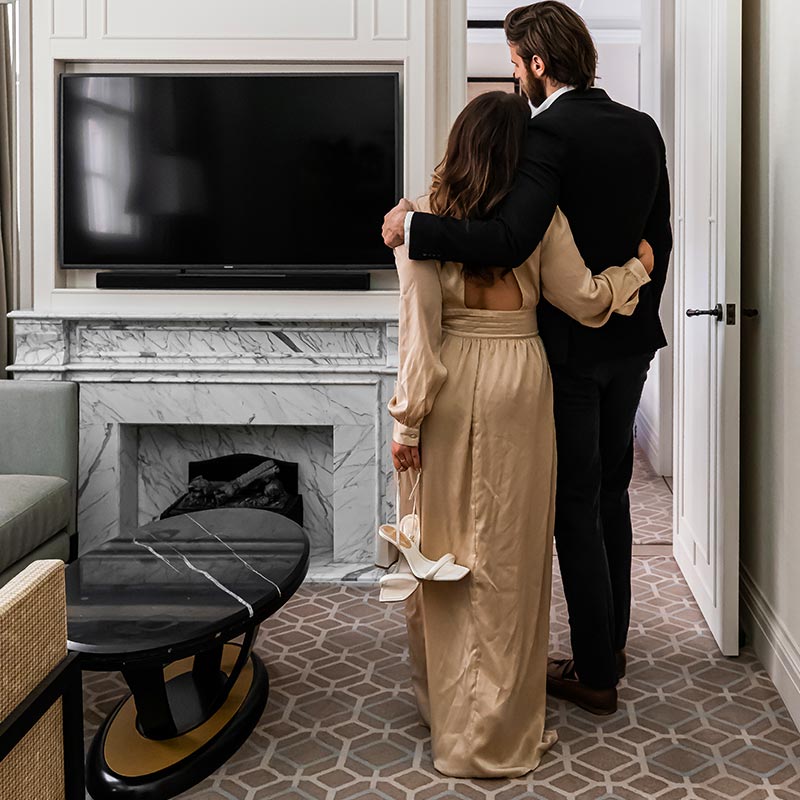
(406, 537)
(398, 584)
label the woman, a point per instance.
(474, 396)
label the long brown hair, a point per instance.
(481, 160)
(559, 36)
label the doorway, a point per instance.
(680, 62)
(635, 44)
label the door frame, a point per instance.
(655, 418)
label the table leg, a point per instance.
(127, 761)
(209, 681)
(153, 714)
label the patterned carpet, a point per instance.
(341, 722)
(651, 504)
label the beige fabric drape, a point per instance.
(7, 257)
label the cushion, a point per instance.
(57, 547)
(32, 509)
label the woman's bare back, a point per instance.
(502, 295)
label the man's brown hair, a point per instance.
(559, 36)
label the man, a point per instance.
(605, 165)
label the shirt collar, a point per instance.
(536, 110)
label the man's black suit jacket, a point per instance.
(604, 164)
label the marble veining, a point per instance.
(164, 452)
(157, 393)
(392, 342)
(233, 552)
(155, 552)
(41, 343)
(245, 343)
(221, 586)
(330, 430)
(170, 583)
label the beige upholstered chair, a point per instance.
(41, 725)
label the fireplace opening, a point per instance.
(164, 459)
(240, 480)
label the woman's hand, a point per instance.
(405, 457)
(394, 224)
(645, 255)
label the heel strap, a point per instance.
(412, 495)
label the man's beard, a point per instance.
(534, 88)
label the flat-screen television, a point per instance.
(263, 172)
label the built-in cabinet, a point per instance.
(422, 40)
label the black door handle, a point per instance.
(708, 312)
(750, 312)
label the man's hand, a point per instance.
(394, 233)
(405, 457)
(645, 255)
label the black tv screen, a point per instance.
(267, 171)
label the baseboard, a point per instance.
(648, 440)
(774, 645)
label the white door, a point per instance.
(707, 230)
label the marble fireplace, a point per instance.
(155, 394)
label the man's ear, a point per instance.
(537, 67)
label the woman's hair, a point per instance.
(481, 160)
(559, 36)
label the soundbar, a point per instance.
(317, 281)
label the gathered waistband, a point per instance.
(487, 334)
(480, 324)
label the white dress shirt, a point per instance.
(535, 111)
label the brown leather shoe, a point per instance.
(563, 682)
(622, 663)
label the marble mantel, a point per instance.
(144, 376)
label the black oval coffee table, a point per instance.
(175, 606)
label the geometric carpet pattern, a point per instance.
(651, 504)
(341, 723)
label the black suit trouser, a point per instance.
(595, 408)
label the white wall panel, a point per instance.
(68, 19)
(618, 71)
(390, 19)
(488, 55)
(770, 355)
(618, 65)
(233, 19)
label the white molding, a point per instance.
(665, 91)
(79, 32)
(168, 17)
(376, 13)
(775, 646)
(616, 36)
(24, 155)
(372, 304)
